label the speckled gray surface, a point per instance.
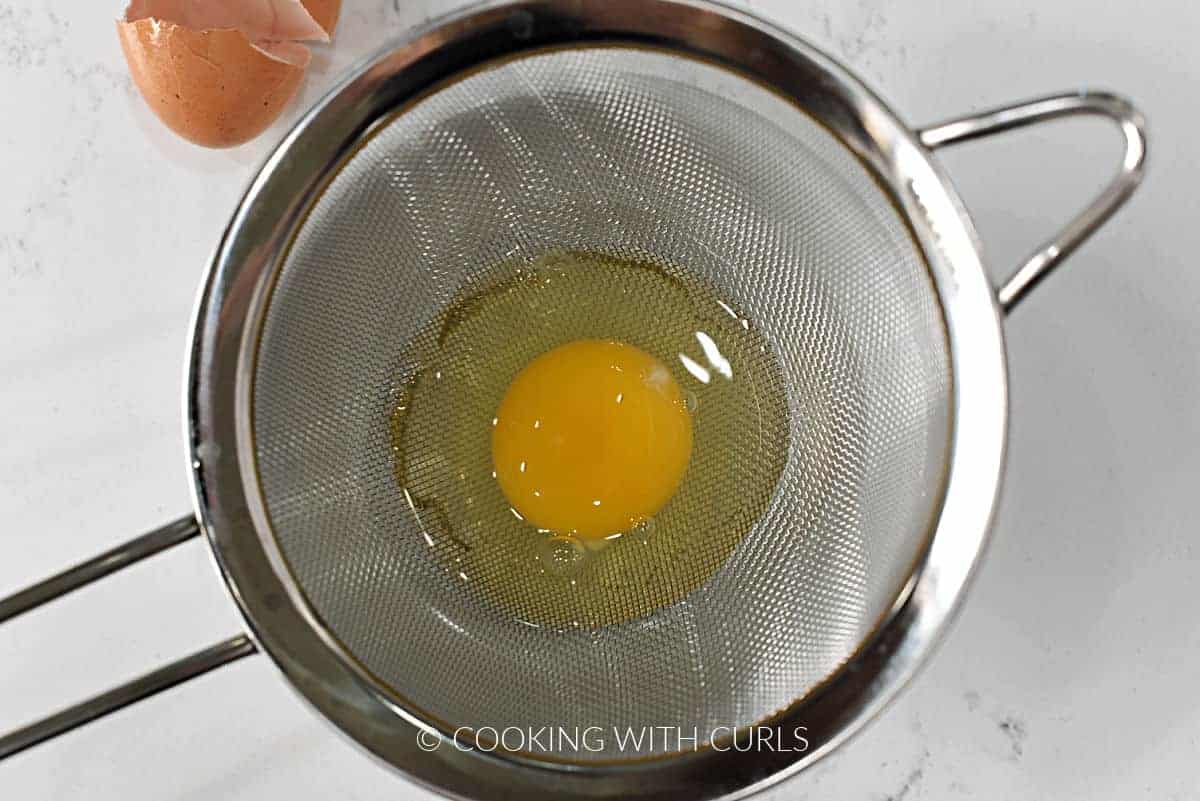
(1070, 673)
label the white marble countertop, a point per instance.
(1072, 672)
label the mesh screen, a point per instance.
(634, 154)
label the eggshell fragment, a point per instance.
(325, 12)
(260, 20)
(212, 87)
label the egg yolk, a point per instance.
(591, 438)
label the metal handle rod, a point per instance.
(98, 567)
(156, 681)
(119, 697)
(1114, 195)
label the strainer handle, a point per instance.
(144, 686)
(1101, 104)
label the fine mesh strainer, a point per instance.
(680, 133)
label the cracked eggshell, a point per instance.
(212, 87)
(260, 20)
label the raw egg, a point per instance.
(591, 438)
(580, 439)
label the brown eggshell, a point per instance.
(325, 12)
(260, 20)
(212, 87)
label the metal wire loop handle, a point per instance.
(156, 681)
(1052, 253)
